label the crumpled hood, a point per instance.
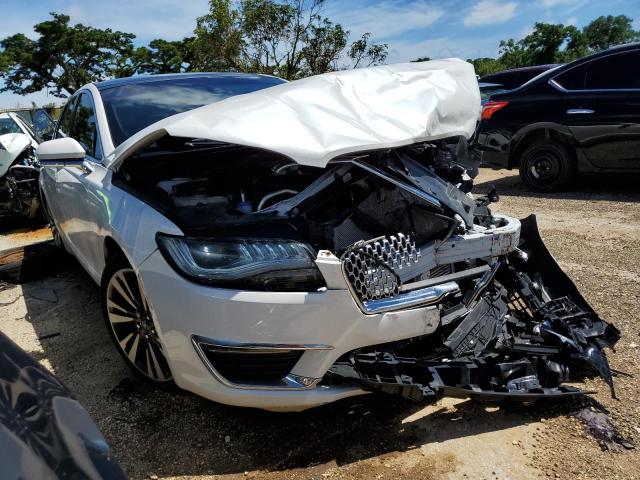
(316, 119)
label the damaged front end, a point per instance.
(517, 332)
(399, 229)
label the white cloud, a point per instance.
(571, 21)
(386, 19)
(147, 19)
(490, 12)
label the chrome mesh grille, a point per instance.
(371, 267)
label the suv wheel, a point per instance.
(130, 323)
(547, 166)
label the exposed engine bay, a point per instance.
(19, 170)
(402, 230)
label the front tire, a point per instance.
(547, 166)
(129, 321)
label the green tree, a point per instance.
(323, 44)
(363, 53)
(485, 65)
(288, 38)
(162, 56)
(540, 47)
(605, 32)
(218, 42)
(63, 57)
(557, 43)
(513, 54)
(543, 44)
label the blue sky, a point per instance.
(412, 28)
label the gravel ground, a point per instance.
(594, 232)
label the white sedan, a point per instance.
(292, 244)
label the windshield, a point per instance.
(8, 125)
(132, 107)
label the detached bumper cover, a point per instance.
(521, 339)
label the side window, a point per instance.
(66, 119)
(573, 79)
(84, 128)
(614, 72)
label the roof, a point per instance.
(568, 66)
(141, 79)
(316, 119)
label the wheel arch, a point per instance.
(535, 132)
(112, 250)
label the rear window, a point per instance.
(132, 107)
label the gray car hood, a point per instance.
(316, 119)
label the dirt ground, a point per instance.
(594, 232)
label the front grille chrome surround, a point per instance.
(414, 298)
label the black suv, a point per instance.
(580, 117)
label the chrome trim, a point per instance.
(429, 282)
(414, 298)
(290, 382)
(556, 85)
(580, 111)
(431, 200)
(262, 347)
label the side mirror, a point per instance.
(61, 152)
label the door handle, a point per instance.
(580, 111)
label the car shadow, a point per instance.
(20, 224)
(621, 188)
(167, 432)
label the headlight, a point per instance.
(245, 263)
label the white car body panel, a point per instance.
(18, 121)
(311, 121)
(335, 113)
(14, 144)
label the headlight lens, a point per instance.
(246, 263)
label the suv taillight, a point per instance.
(491, 107)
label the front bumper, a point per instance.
(330, 319)
(324, 325)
